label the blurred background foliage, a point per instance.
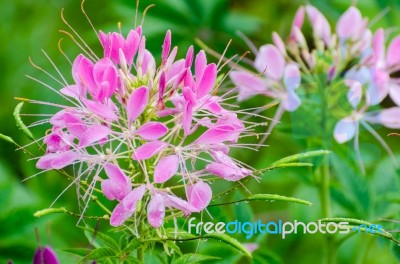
(27, 27)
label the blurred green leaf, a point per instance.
(193, 258)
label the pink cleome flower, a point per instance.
(144, 125)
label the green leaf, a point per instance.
(98, 254)
(357, 222)
(267, 197)
(181, 234)
(193, 258)
(20, 124)
(301, 156)
(172, 245)
(101, 237)
(230, 241)
(132, 245)
(7, 139)
(282, 165)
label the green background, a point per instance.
(27, 27)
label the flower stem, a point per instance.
(140, 250)
(325, 208)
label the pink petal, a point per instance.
(345, 130)
(127, 206)
(199, 195)
(278, 42)
(187, 117)
(141, 51)
(152, 130)
(148, 63)
(131, 46)
(217, 134)
(105, 111)
(93, 134)
(249, 84)
(156, 211)
(189, 95)
(166, 168)
(355, 92)
(175, 72)
(378, 46)
(321, 26)
(207, 81)
(137, 103)
(74, 124)
(72, 91)
(212, 105)
(117, 43)
(200, 64)
(350, 24)
(180, 204)
(394, 92)
(189, 57)
(379, 86)
(118, 185)
(45, 255)
(390, 117)
(227, 172)
(270, 61)
(57, 161)
(105, 71)
(291, 101)
(299, 17)
(393, 53)
(292, 77)
(148, 150)
(82, 72)
(166, 47)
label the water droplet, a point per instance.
(237, 203)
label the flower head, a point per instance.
(134, 126)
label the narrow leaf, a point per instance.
(20, 124)
(101, 237)
(267, 197)
(8, 139)
(301, 156)
(230, 241)
(282, 165)
(98, 254)
(355, 223)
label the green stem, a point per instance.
(325, 207)
(140, 250)
(324, 181)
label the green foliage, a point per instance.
(29, 26)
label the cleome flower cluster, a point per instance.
(134, 126)
(353, 57)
